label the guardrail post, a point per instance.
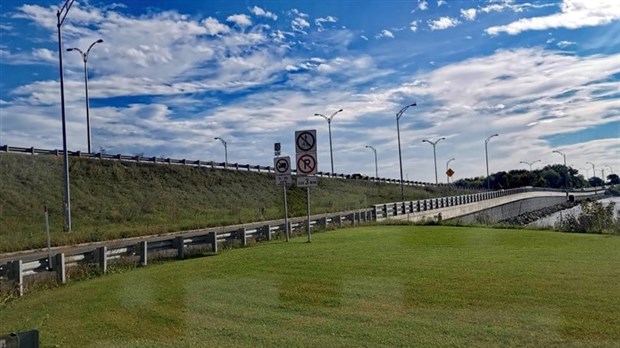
(61, 270)
(179, 243)
(339, 219)
(102, 258)
(242, 236)
(213, 241)
(144, 252)
(323, 222)
(267, 232)
(16, 274)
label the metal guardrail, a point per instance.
(199, 163)
(18, 269)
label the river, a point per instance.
(549, 221)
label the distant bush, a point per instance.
(594, 218)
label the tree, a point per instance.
(596, 181)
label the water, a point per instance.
(550, 220)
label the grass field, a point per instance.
(113, 199)
(367, 286)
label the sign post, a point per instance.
(282, 167)
(307, 165)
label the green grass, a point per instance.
(368, 286)
(110, 199)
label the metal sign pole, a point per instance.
(286, 227)
(47, 232)
(308, 205)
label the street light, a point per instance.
(376, 167)
(329, 126)
(434, 143)
(530, 163)
(593, 169)
(565, 168)
(486, 155)
(85, 59)
(400, 158)
(447, 167)
(61, 14)
(225, 151)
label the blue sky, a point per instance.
(172, 75)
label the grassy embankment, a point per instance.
(368, 286)
(110, 199)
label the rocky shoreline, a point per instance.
(532, 216)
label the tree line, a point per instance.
(551, 176)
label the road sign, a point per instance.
(285, 180)
(305, 141)
(306, 163)
(276, 149)
(307, 181)
(450, 172)
(282, 165)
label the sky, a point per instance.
(170, 76)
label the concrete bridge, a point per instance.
(495, 205)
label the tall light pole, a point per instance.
(61, 14)
(85, 59)
(593, 168)
(225, 151)
(434, 143)
(447, 167)
(329, 126)
(530, 163)
(376, 166)
(486, 155)
(565, 168)
(400, 157)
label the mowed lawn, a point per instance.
(368, 286)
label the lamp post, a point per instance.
(85, 59)
(329, 126)
(376, 166)
(400, 158)
(434, 143)
(225, 151)
(447, 167)
(565, 168)
(61, 14)
(530, 163)
(486, 155)
(593, 168)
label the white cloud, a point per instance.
(299, 24)
(564, 44)
(422, 5)
(297, 13)
(214, 27)
(469, 14)
(257, 11)
(443, 23)
(364, 37)
(441, 3)
(385, 33)
(328, 19)
(241, 20)
(413, 26)
(573, 14)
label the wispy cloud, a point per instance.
(413, 26)
(299, 24)
(573, 14)
(385, 33)
(422, 5)
(257, 11)
(564, 44)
